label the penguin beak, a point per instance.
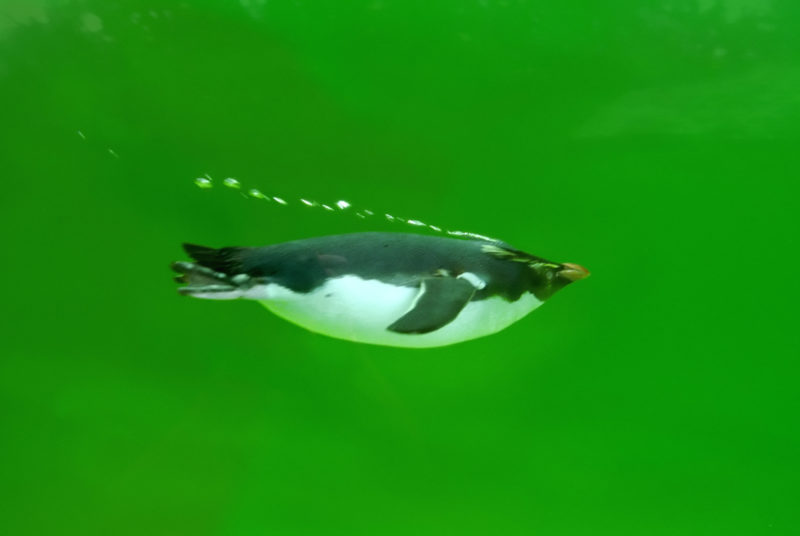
(572, 272)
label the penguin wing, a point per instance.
(439, 301)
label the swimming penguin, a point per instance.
(394, 289)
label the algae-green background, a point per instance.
(654, 142)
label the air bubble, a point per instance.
(467, 234)
(257, 194)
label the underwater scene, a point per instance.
(517, 145)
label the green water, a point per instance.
(655, 143)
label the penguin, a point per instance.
(393, 289)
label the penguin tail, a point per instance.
(210, 276)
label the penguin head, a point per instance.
(544, 278)
(548, 278)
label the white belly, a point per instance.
(360, 310)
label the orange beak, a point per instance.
(573, 272)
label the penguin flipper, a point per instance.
(438, 303)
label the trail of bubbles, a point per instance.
(206, 182)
